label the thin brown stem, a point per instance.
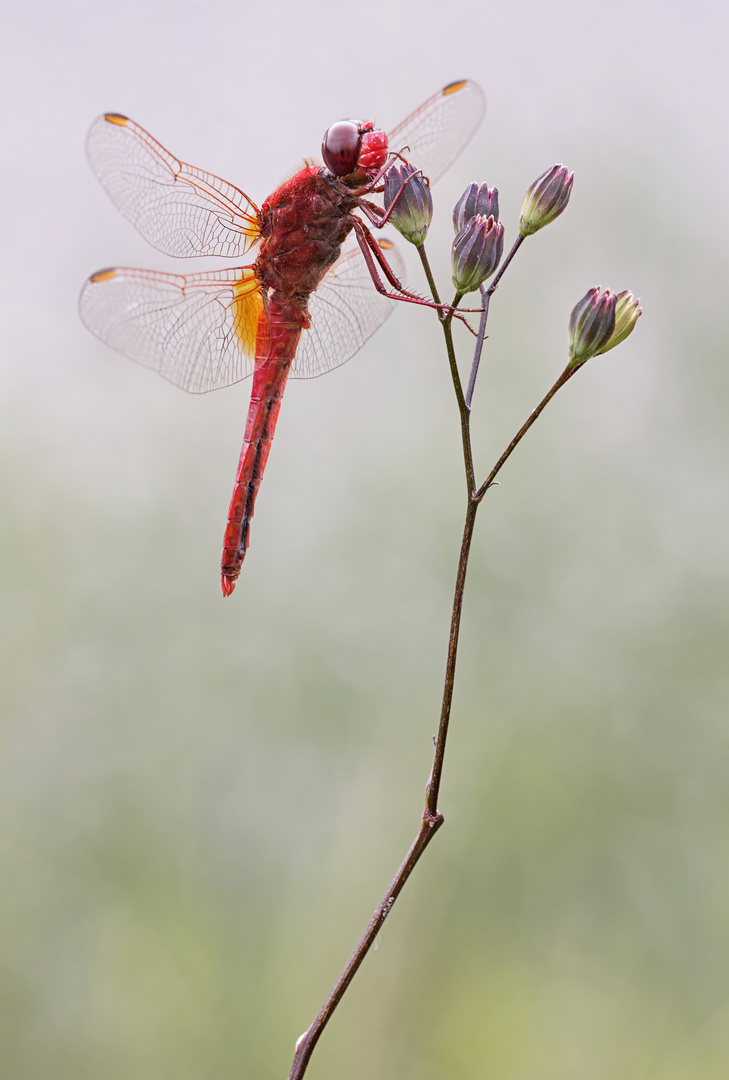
(472, 505)
(502, 269)
(446, 321)
(305, 1046)
(432, 819)
(433, 788)
(431, 280)
(480, 338)
(486, 295)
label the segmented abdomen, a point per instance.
(276, 342)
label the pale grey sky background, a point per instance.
(630, 94)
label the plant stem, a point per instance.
(480, 338)
(432, 819)
(486, 295)
(433, 788)
(305, 1046)
(566, 374)
(446, 321)
(502, 269)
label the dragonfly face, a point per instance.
(351, 145)
(308, 302)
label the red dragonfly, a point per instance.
(303, 307)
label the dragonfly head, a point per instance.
(351, 148)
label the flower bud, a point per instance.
(476, 252)
(546, 199)
(627, 313)
(591, 325)
(475, 200)
(413, 210)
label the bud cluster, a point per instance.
(479, 242)
(601, 319)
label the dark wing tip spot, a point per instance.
(103, 275)
(454, 87)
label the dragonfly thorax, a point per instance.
(304, 223)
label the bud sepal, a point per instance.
(627, 313)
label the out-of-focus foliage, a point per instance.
(201, 802)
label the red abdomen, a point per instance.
(277, 339)
(304, 224)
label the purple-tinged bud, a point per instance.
(591, 325)
(627, 313)
(600, 322)
(476, 252)
(413, 211)
(546, 199)
(475, 200)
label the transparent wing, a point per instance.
(438, 131)
(199, 332)
(178, 208)
(345, 310)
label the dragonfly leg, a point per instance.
(372, 251)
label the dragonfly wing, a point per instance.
(178, 208)
(345, 309)
(199, 332)
(433, 136)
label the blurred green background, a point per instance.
(202, 802)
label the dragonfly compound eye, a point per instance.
(340, 147)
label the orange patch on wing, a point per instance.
(248, 310)
(116, 118)
(102, 275)
(454, 87)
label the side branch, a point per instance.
(432, 818)
(486, 294)
(566, 374)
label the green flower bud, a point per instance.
(627, 313)
(476, 252)
(475, 200)
(413, 211)
(591, 324)
(546, 199)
